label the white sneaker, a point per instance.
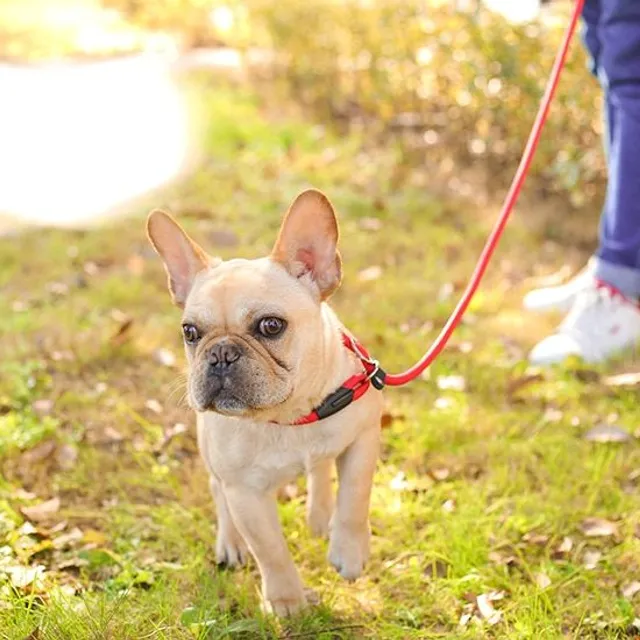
(560, 298)
(602, 321)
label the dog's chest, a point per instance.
(266, 455)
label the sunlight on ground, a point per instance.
(78, 140)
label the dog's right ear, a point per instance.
(183, 258)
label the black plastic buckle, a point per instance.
(335, 402)
(378, 378)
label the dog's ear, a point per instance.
(307, 243)
(183, 258)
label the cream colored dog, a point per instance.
(264, 349)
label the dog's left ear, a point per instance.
(307, 243)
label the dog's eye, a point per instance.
(271, 327)
(191, 335)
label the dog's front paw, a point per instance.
(349, 550)
(231, 550)
(284, 600)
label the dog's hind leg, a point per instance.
(231, 549)
(320, 497)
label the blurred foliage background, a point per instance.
(451, 84)
(454, 83)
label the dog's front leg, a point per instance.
(231, 549)
(349, 540)
(256, 516)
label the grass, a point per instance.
(476, 489)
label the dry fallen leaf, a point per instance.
(399, 482)
(22, 494)
(449, 506)
(440, 474)
(563, 549)
(442, 403)
(164, 357)
(486, 609)
(34, 635)
(122, 334)
(591, 558)
(463, 347)
(389, 418)
(598, 528)
(502, 559)
(370, 273)
(169, 434)
(39, 452)
(552, 414)
(21, 577)
(630, 590)
(631, 379)
(112, 435)
(67, 456)
(68, 539)
(27, 529)
(288, 492)
(516, 384)
(607, 433)
(42, 511)
(542, 580)
(19, 306)
(537, 539)
(43, 406)
(445, 292)
(370, 224)
(153, 405)
(57, 289)
(454, 383)
(465, 618)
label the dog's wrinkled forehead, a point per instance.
(238, 290)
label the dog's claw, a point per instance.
(284, 607)
(230, 554)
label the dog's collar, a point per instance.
(352, 388)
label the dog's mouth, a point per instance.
(227, 403)
(222, 401)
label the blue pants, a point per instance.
(612, 36)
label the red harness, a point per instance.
(352, 388)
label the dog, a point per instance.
(263, 349)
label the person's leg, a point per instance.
(591, 37)
(618, 256)
(601, 321)
(590, 20)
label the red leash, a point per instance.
(357, 385)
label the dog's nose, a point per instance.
(223, 355)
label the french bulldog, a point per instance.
(263, 349)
